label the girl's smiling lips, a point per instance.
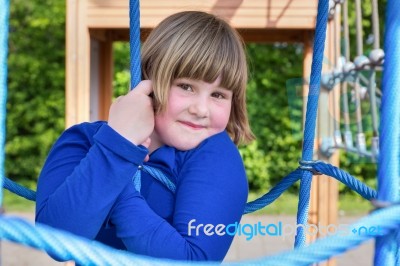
(191, 125)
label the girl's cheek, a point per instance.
(222, 118)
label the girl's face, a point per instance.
(196, 110)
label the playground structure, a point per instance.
(385, 200)
(93, 25)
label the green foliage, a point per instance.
(276, 151)
(36, 96)
(121, 81)
(36, 84)
(366, 11)
(362, 168)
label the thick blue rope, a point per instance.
(321, 249)
(311, 115)
(66, 246)
(134, 41)
(304, 256)
(388, 164)
(4, 19)
(61, 245)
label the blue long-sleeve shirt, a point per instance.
(85, 187)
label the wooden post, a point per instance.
(101, 74)
(77, 64)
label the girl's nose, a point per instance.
(199, 107)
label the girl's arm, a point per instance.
(91, 164)
(86, 170)
(211, 194)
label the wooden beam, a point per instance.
(248, 35)
(261, 14)
(272, 35)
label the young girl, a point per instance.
(184, 119)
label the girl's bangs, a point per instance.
(207, 63)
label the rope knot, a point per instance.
(308, 166)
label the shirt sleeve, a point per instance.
(211, 193)
(86, 170)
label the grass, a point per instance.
(14, 203)
(285, 204)
(353, 205)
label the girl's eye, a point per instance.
(218, 95)
(185, 87)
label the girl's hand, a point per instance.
(132, 115)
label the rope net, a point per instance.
(65, 246)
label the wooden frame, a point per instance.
(93, 25)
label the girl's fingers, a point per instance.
(144, 87)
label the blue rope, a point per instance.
(4, 15)
(273, 194)
(134, 41)
(61, 245)
(347, 179)
(66, 246)
(324, 248)
(324, 168)
(137, 180)
(156, 174)
(311, 115)
(160, 176)
(388, 163)
(19, 190)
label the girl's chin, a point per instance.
(186, 145)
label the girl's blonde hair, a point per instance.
(199, 46)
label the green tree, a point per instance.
(36, 85)
(276, 151)
(36, 95)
